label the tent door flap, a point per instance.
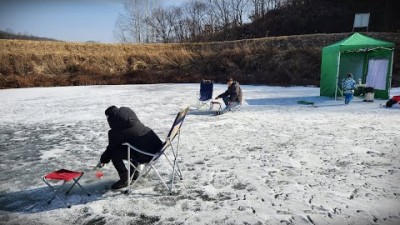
(377, 72)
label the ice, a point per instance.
(273, 162)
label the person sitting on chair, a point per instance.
(233, 96)
(126, 127)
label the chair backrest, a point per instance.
(176, 126)
(206, 90)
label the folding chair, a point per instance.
(236, 106)
(217, 103)
(147, 167)
(65, 176)
(206, 92)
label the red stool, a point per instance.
(66, 176)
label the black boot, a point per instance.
(123, 181)
(119, 184)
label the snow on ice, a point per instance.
(272, 162)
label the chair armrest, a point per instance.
(140, 151)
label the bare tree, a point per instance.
(221, 9)
(179, 24)
(195, 11)
(147, 21)
(261, 7)
(123, 30)
(131, 26)
(229, 12)
(238, 8)
(162, 22)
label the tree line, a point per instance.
(151, 21)
(10, 34)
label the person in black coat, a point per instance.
(126, 127)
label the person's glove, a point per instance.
(99, 165)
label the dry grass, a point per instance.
(291, 60)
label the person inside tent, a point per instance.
(126, 127)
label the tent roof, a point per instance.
(359, 41)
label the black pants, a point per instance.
(149, 143)
(390, 103)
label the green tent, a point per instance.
(368, 59)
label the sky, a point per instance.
(66, 20)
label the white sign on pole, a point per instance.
(361, 20)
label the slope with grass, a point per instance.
(286, 60)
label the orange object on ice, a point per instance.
(99, 174)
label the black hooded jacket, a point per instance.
(126, 127)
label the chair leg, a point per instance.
(129, 169)
(175, 153)
(162, 180)
(56, 193)
(137, 179)
(176, 164)
(200, 104)
(72, 186)
(76, 182)
(236, 108)
(145, 174)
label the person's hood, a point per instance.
(121, 118)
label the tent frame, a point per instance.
(333, 56)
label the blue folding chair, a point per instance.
(206, 92)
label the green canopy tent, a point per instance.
(368, 59)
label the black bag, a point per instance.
(369, 90)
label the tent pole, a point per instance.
(337, 75)
(390, 73)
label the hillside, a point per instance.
(287, 60)
(315, 16)
(9, 35)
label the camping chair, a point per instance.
(65, 176)
(231, 108)
(206, 92)
(236, 106)
(147, 167)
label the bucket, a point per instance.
(369, 97)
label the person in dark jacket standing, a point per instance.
(233, 96)
(126, 127)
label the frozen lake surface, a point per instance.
(273, 162)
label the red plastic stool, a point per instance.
(66, 176)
